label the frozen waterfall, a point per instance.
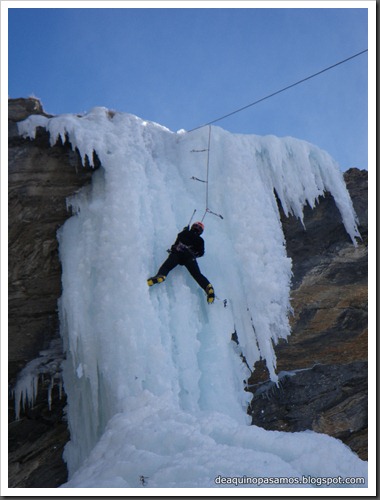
(154, 383)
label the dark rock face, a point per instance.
(331, 399)
(40, 178)
(36, 443)
(20, 109)
(323, 365)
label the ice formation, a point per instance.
(154, 383)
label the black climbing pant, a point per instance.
(191, 265)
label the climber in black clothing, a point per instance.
(186, 249)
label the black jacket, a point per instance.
(189, 244)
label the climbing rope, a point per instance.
(279, 91)
(207, 209)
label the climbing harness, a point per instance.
(207, 210)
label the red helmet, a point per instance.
(198, 227)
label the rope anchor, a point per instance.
(213, 213)
(196, 179)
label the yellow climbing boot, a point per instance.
(156, 279)
(210, 294)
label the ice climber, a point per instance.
(186, 249)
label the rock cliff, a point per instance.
(40, 178)
(322, 366)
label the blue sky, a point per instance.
(183, 67)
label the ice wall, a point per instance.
(129, 346)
